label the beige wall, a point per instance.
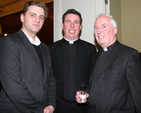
(115, 11)
(16, 7)
(127, 13)
(131, 23)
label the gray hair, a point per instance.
(113, 22)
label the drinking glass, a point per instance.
(83, 92)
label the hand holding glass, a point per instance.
(83, 92)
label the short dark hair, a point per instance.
(72, 11)
(36, 3)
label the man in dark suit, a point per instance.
(116, 78)
(28, 83)
(73, 60)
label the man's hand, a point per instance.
(78, 98)
(49, 109)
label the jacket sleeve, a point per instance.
(133, 74)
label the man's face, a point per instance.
(33, 20)
(71, 27)
(104, 32)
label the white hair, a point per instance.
(113, 22)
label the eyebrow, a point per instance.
(105, 24)
(67, 20)
(36, 14)
(95, 26)
(102, 24)
(74, 20)
(32, 13)
(77, 21)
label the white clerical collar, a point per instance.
(105, 49)
(71, 41)
(34, 42)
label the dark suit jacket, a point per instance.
(117, 87)
(84, 64)
(25, 87)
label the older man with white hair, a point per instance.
(116, 78)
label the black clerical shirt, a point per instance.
(70, 51)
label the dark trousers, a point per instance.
(72, 107)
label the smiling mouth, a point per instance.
(100, 36)
(71, 31)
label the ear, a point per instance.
(115, 30)
(22, 17)
(81, 27)
(62, 25)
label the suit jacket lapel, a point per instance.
(30, 48)
(60, 58)
(45, 62)
(112, 57)
(108, 62)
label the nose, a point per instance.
(72, 24)
(37, 19)
(99, 30)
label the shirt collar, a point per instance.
(34, 42)
(110, 47)
(71, 41)
(105, 49)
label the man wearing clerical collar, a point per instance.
(73, 60)
(114, 85)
